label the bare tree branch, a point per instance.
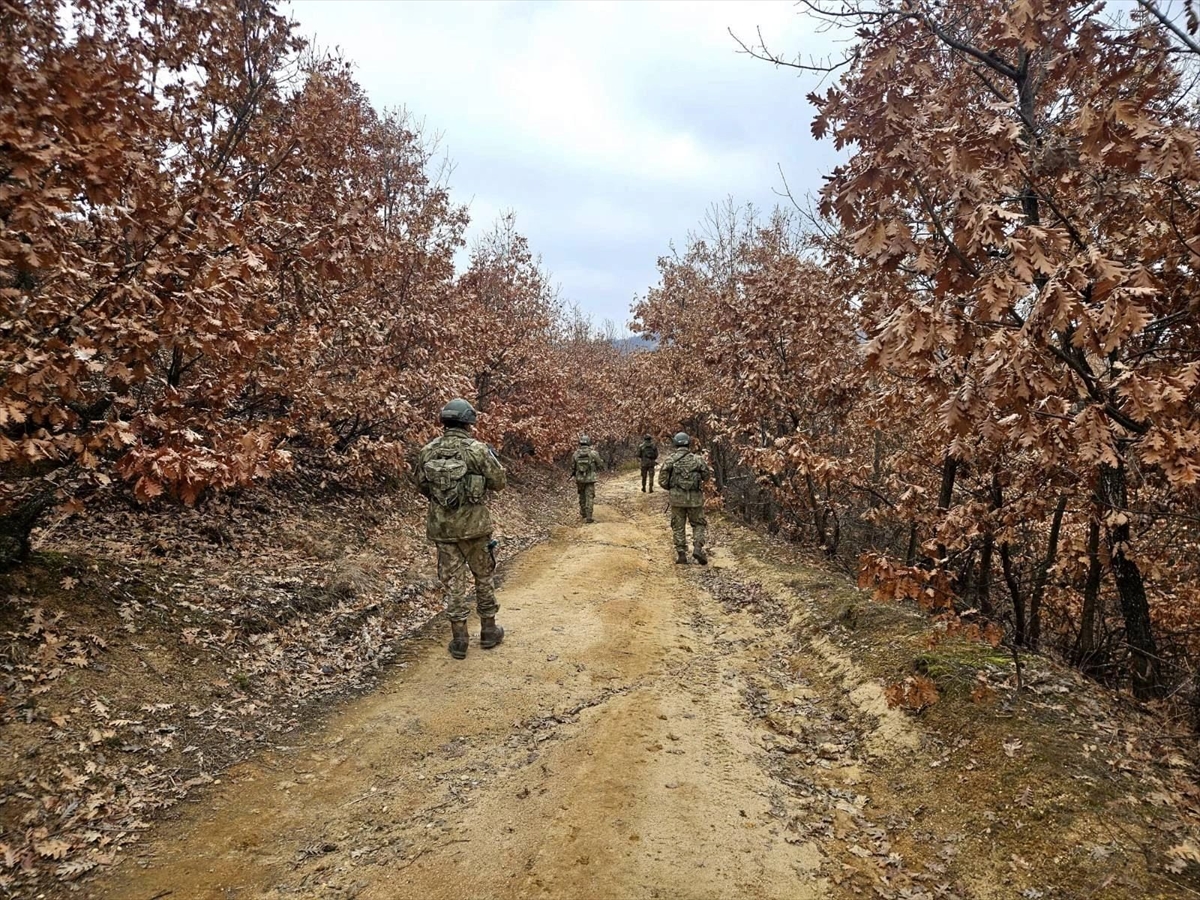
(1186, 39)
(762, 53)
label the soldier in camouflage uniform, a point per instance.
(584, 465)
(648, 455)
(684, 474)
(455, 471)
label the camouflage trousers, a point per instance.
(680, 516)
(648, 476)
(454, 559)
(587, 496)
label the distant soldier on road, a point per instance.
(684, 474)
(455, 472)
(584, 465)
(648, 455)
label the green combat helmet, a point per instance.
(584, 441)
(681, 439)
(458, 412)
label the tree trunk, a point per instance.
(835, 536)
(1131, 589)
(833, 526)
(1085, 648)
(1039, 585)
(949, 470)
(876, 468)
(1010, 576)
(946, 495)
(983, 590)
(720, 467)
(16, 528)
(1014, 590)
(910, 557)
(818, 511)
(966, 576)
(175, 372)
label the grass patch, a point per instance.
(960, 668)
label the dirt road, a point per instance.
(648, 730)
(604, 750)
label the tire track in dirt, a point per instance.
(606, 749)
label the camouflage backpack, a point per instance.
(584, 467)
(685, 473)
(446, 473)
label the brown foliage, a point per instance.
(218, 261)
(985, 351)
(916, 693)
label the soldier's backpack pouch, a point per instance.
(446, 473)
(583, 463)
(475, 486)
(686, 474)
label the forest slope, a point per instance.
(142, 653)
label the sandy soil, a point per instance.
(652, 730)
(605, 749)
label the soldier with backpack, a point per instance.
(648, 455)
(584, 465)
(684, 474)
(455, 472)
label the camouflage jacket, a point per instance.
(680, 470)
(586, 474)
(647, 453)
(470, 519)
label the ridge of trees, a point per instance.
(218, 263)
(977, 364)
(972, 371)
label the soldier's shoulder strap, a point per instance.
(478, 449)
(433, 445)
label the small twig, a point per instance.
(413, 859)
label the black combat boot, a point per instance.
(458, 640)
(681, 558)
(490, 634)
(700, 556)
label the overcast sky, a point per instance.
(608, 128)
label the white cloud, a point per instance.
(607, 127)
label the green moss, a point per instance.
(955, 664)
(53, 560)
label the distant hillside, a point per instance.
(633, 343)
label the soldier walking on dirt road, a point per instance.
(648, 455)
(684, 474)
(584, 465)
(455, 472)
